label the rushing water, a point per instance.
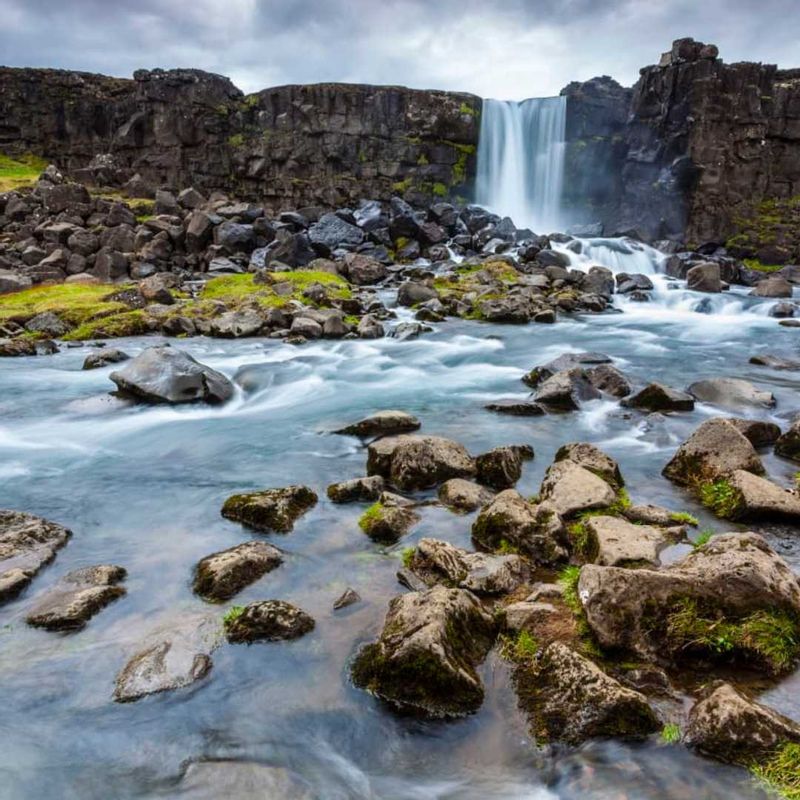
(521, 160)
(142, 487)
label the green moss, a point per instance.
(439, 189)
(73, 303)
(401, 187)
(684, 518)
(422, 160)
(407, 555)
(521, 649)
(769, 638)
(671, 733)
(721, 498)
(466, 109)
(370, 517)
(781, 772)
(18, 172)
(702, 538)
(126, 323)
(754, 263)
(568, 579)
(505, 548)
(232, 615)
(237, 140)
(251, 101)
(584, 544)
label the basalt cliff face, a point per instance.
(693, 151)
(287, 147)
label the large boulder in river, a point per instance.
(77, 597)
(594, 459)
(221, 575)
(728, 726)
(704, 277)
(267, 621)
(714, 451)
(534, 529)
(757, 432)
(750, 497)
(566, 390)
(463, 495)
(418, 462)
(570, 489)
(166, 375)
(565, 361)
(658, 397)
(27, 544)
(382, 423)
(104, 357)
(570, 699)
(270, 509)
(732, 598)
(733, 394)
(774, 286)
(424, 661)
(615, 542)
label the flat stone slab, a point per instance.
(621, 543)
(760, 498)
(570, 488)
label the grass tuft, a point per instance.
(407, 555)
(232, 615)
(702, 538)
(780, 774)
(19, 172)
(684, 518)
(721, 498)
(671, 733)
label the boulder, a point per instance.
(13, 282)
(727, 725)
(568, 488)
(570, 699)
(16, 348)
(237, 324)
(609, 380)
(758, 433)
(755, 498)
(418, 462)
(627, 284)
(594, 459)
(267, 620)
(516, 408)
(463, 495)
(27, 544)
(369, 328)
(774, 286)
(270, 509)
(356, 490)
(731, 393)
(244, 780)
(48, 324)
(363, 270)
(704, 277)
(435, 561)
(424, 661)
(387, 522)
(382, 423)
(501, 468)
(619, 543)
(411, 293)
(714, 451)
(728, 599)
(221, 575)
(173, 657)
(658, 397)
(534, 529)
(774, 362)
(166, 375)
(788, 443)
(77, 597)
(565, 390)
(331, 232)
(104, 357)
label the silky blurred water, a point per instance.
(142, 487)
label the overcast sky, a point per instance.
(507, 49)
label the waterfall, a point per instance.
(521, 160)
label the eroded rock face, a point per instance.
(672, 613)
(727, 725)
(77, 597)
(382, 423)
(425, 658)
(418, 462)
(435, 561)
(715, 450)
(570, 488)
(270, 509)
(571, 699)
(534, 529)
(221, 575)
(268, 620)
(27, 543)
(173, 657)
(168, 375)
(731, 393)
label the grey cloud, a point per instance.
(499, 48)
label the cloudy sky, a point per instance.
(495, 48)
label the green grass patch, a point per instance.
(702, 538)
(232, 615)
(721, 498)
(684, 518)
(754, 263)
(233, 288)
(406, 555)
(126, 323)
(371, 516)
(505, 548)
(568, 579)
(73, 303)
(19, 172)
(671, 733)
(466, 109)
(583, 542)
(780, 774)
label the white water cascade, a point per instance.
(521, 160)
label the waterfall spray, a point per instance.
(521, 160)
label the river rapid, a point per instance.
(142, 486)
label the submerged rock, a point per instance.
(348, 597)
(731, 393)
(658, 397)
(77, 597)
(27, 543)
(382, 423)
(386, 523)
(516, 408)
(774, 362)
(425, 658)
(733, 587)
(571, 699)
(270, 509)
(534, 529)
(167, 375)
(728, 726)
(464, 495)
(715, 450)
(267, 620)
(174, 658)
(418, 462)
(221, 575)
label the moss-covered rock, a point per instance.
(221, 575)
(268, 620)
(270, 509)
(387, 523)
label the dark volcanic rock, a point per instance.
(27, 543)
